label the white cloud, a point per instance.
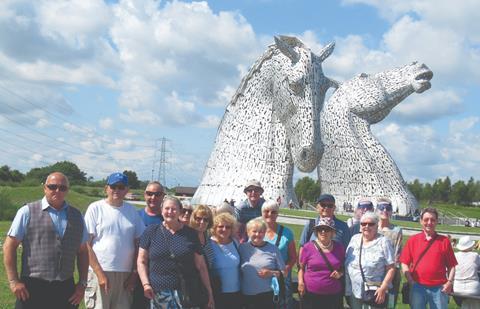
(106, 123)
(462, 125)
(428, 106)
(181, 42)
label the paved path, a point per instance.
(301, 221)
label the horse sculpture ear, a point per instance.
(326, 51)
(283, 44)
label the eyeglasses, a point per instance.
(329, 206)
(257, 190)
(202, 219)
(272, 212)
(186, 211)
(157, 194)
(53, 187)
(227, 227)
(323, 229)
(368, 224)
(117, 187)
(384, 207)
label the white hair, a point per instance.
(257, 222)
(370, 215)
(270, 205)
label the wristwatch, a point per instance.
(83, 283)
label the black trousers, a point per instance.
(259, 301)
(228, 300)
(314, 301)
(47, 294)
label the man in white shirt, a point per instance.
(114, 227)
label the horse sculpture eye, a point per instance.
(297, 86)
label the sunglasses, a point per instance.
(254, 190)
(227, 227)
(186, 211)
(323, 229)
(53, 187)
(366, 206)
(368, 224)
(117, 187)
(202, 219)
(157, 194)
(329, 206)
(384, 207)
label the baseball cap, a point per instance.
(117, 178)
(326, 198)
(252, 183)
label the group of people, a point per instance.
(130, 258)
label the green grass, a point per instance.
(406, 224)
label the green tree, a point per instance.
(132, 179)
(71, 170)
(307, 189)
(9, 175)
(416, 188)
(427, 192)
(458, 193)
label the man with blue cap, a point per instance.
(115, 228)
(326, 209)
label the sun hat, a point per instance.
(326, 198)
(326, 221)
(253, 183)
(465, 243)
(117, 178)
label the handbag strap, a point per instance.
(360, 260)
(279, 236)
(324, 256)
(430, 243)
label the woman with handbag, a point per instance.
(226, 266)
(260, 261)
(170, 260)
(282, 237)
(321, 268)
(395, 234)
(370, 265)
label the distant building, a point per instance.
(184, 191)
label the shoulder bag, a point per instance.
(191, 291)
(368, 296)
(406, 285)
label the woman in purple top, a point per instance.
(319, 276)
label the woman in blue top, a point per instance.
(283, 238)
(260, 261)
(226, 265)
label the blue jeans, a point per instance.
(423, 295)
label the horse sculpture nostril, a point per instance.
(304, 155)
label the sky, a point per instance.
(101, 83)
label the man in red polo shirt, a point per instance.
(431, 280)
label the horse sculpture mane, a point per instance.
(270, 125)
(354, 163)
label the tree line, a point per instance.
(441, 190)
(37, 175)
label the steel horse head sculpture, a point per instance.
(271, 124)
(354, 163)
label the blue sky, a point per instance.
(99, 83)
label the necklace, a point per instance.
(327, 246)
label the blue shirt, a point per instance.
(285, 240)
(226, 266)
(59, 220)
(147, 219)
(342, 234)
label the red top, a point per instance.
(432, 268)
